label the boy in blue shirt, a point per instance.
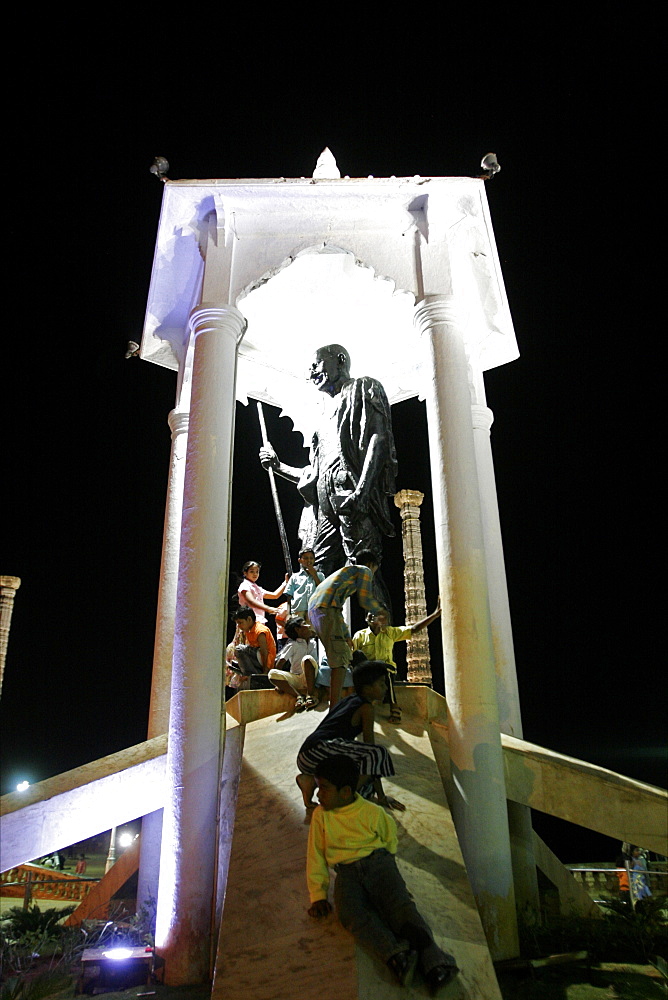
(302, 584)
(358, 839)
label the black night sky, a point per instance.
(86, 442)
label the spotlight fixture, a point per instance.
(490, 165)
(115, 968)
(159, 167)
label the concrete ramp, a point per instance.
(81, 803)
(269, 948)
(586, 794)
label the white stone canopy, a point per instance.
(249, 278)
(349, 272)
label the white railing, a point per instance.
(598, 880)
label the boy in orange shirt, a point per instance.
(257, 654)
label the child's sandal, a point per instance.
(310, 702)
(300, 704)
(395, 714)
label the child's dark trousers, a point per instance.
(373, 903)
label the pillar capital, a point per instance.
(178, 422)
(483, 417)
(405, 499)
(209, 318)
(436, 309)
(13, 582)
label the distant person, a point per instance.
(639, 884)
(326, 613)
(254, 645)
(296, 665)
(358, 839)
(337, 734)
(621, 871)
(377, 642)
(302, 584)
(81, 866)
(252, 595)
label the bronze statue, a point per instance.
(352, 466)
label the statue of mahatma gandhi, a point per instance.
(352, 466)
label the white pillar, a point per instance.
(158, 722)
(507, 692)
(477, 793)
(196, 730)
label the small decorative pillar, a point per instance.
(8, 587)
(477, 789)
(186, 895)
(417, 648)
(158, 723)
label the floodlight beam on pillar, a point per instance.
(158, 722)
(508, 698)
(196, 732)
(477, 792)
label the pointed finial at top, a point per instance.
(326, 168)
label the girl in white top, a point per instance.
(252, 595)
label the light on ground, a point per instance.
(22, 785)
(118, 953)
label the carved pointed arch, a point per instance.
(324, 294)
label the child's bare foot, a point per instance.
(306, 784)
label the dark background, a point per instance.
(86, 442)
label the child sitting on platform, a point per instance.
(358, 839)
(254, 645)
(296, 666)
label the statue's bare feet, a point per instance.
(306, 784)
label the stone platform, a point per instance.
(269, 948)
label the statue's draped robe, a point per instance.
(363, 409)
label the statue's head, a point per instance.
(330, 368)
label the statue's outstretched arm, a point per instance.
(269, 460)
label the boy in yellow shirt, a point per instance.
(376, 643)
(358, 839)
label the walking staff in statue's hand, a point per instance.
(352, 464)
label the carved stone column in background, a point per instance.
(8, 587)
(417, 654)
